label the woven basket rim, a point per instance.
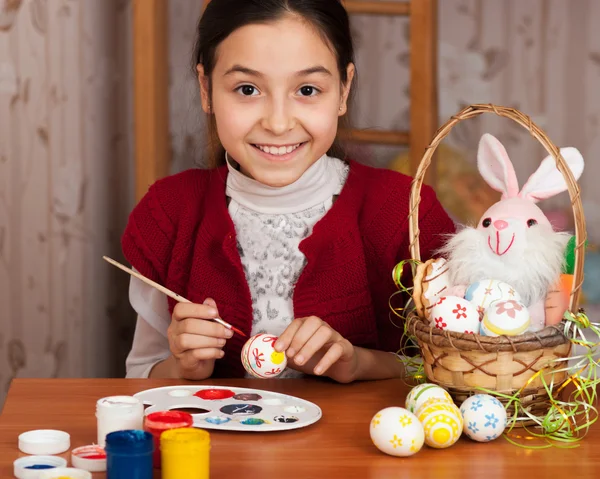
(546, 338)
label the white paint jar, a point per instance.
(118, 413)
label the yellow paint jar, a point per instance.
(185, 454)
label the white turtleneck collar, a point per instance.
(319, 183)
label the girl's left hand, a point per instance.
(313, 347)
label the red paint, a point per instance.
(236, 330)
(161, 421)
(90, 452)
(214, 394)
(94, 456)
(498, 244)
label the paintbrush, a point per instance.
(168, 292)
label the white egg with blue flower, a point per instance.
(484, 417)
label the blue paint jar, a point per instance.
(129, 454)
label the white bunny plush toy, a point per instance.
(513, 242)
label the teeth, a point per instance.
(281, 150)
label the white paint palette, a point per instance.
(233, 409)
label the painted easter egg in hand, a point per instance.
(431, 280)
(260, 358)
(452, 313)
(397, 432)
(484, 417)
(485, 292)
(442, 422)
(508, 318)
(421, 393)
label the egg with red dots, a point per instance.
(453, 313)
(260, 359)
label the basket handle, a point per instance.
(526, 122)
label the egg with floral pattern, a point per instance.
(421, 393)
(442, 423)
(260, 359)
(397, 432)
(453, 313)
(484, 417)
(509, 318)
(485, 292)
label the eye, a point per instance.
(486, 222)
(308, 90)
(247, 90)
(531, 222)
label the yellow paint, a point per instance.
(185, 452)
(441, 436)
(277, 357)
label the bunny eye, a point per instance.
(531, 222)
(487, 222)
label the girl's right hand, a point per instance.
(196, 341)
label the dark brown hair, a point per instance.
(222, 17)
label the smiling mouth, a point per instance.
(278, 150)
(497, 250)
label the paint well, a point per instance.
(294, 409)
(285, 419)
(241, 409)
(180, 393)
(253, 421)
(247, 397)
(214, 394)
(190, 409)
(217, 420)
(273, 402)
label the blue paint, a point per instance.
(40, 466)
(129, 455)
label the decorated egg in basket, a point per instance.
(452, 313)
(431, 280)
(484, 417)
(397, 432)
(485, 292)
(260, 358)
(423, 392)
(509, 318)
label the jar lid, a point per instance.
(44, 441)
(185, 440)
(62, 472)
(89, 458)
(119, 403)
(30, 467)
(130, 441)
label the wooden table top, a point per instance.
(338, 446)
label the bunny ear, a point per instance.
(495, 166)
(548, 181)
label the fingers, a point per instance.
(285, 339)
(193, 310)
(309, 346)
(190, 359)
(333, 355)
(186, 342)
(202, 327)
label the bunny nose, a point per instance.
(500, 224)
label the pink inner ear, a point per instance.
(496, 161)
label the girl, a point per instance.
(281, 235)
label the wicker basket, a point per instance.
(461, 363)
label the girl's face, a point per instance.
(276, 97)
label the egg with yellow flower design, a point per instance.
(442, 423)
(397, 432)
(260, 358)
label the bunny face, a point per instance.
(505, 226)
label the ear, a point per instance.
(495, 167)
(204, 90)
(547, 180)
(346, 89)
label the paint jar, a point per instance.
(185, 454)
(158, 422)
(66, 473)
(118, 413)
(129, 455)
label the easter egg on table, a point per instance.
(260, 358)
(484, 417)
(485, 292)
(397, 432)
(442, 422)
(452, 313)
(431, 280)
(421, 393)
(508, 318)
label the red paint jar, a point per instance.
(161, 421)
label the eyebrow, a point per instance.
(255, 73)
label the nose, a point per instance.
(500, 224)
(278, 118)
